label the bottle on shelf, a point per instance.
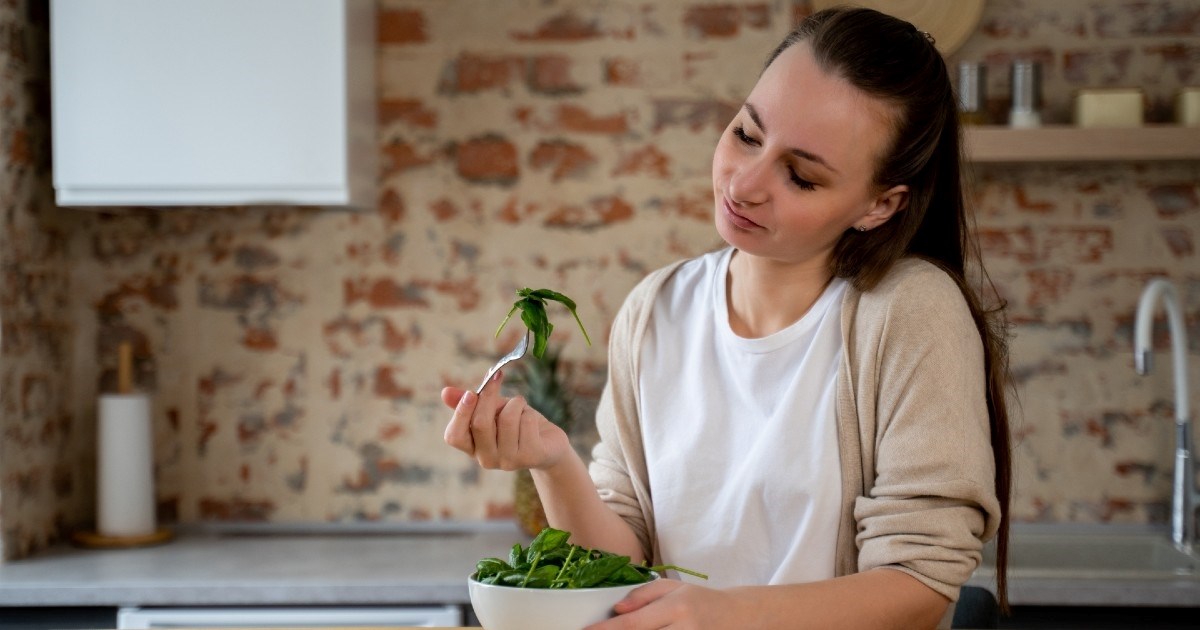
(972, 80)
(1026, 95)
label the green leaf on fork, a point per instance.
(532, 304)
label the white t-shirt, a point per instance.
(740, 434)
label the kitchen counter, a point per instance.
(277, 565)
(238, 567)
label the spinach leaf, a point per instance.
(541, 577)
(489, 567)
(599, 570)
(532, 304)
(551, 561)
(548, 540)
(516, 557)
(513, 578)
(628, 574)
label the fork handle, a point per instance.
(490, 374)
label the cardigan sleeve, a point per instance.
(618, 466)
(610, 465)
(932, 503)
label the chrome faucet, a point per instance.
(1184, 496)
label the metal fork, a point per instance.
(516, 353)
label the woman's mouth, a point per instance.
(737, 219)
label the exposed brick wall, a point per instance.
(1071, 247)
(295, 355)
(44, 462)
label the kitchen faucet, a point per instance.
(1183, 493)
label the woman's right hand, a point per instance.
(503, 433)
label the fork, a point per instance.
(517, 352)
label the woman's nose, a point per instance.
(748, 184)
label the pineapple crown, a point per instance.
(539, 381)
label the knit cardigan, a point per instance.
(917, 469)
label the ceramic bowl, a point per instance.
(510, 608)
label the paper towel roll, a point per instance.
(125, 462)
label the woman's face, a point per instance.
(794, 170)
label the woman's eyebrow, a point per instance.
(800, 153)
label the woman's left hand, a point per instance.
(673, 604)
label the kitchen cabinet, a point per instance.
(1099, 618)
(220, 102)
(1073, 144)
(57, 618)
(136, 618)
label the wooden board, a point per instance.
(1075, 144)
(94, 540)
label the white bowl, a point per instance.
(511, 608)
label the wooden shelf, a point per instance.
(1073, 144)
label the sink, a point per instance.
(1095, 552)
(1093, 565)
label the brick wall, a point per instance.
(42, 488)
(295, 355)
(1071, 247)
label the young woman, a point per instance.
(815, 416)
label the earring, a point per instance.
(861, 228)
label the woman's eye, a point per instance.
(740, 132)
(800, 182)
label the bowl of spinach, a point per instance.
(554, 585)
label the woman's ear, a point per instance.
(886, 204)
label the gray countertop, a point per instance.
(361, 568)
(392, 566)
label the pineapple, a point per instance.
(527, 504)
(539, 381)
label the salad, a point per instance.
(552, 562)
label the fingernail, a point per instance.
(498, 376)
(466, 397)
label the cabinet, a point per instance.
(57, 617)
(289, 617)
(220, 102)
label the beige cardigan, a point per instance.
(917, 466)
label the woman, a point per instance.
(815, 415)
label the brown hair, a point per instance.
(890, 59)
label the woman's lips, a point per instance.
(736, 219)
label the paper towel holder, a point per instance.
(96, 539)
